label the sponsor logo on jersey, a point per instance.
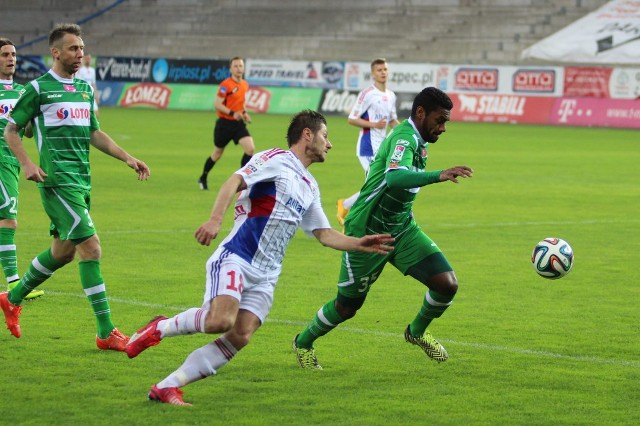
(5, 109)
(54, 95)
(69, 88)
(249, 169)
(8, 87)
(397, 154)
(66, 114)
(295, 205)
(239, 211)
(402, 142)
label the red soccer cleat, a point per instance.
(11, 314)
(147, 336)
(115, 342)
(171, 396)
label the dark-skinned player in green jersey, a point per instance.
(385, 206)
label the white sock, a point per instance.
(201, 363)
(349, 202)
(188, 322)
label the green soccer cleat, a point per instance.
(306, 357)
(34, 294)
(429, 345)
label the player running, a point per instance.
(277, 195)
(385, 205)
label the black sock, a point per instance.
(245, 159)
(208, 165)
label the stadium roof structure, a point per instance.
(609, 35)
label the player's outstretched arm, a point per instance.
(104, 143)
(454, 173)
(378, 243)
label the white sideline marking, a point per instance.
(493, 348)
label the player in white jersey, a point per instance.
(88, 74)
(277, 194)
(374, 112)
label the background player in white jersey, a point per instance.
(9, 170)
(88, 74)
(278, 194)
(374, 112)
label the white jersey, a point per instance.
(87, 74)
(281, 195)
(373, 105)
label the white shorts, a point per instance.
(228, 274)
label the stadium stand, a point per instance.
(436, 31)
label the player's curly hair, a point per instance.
(430, 99)
(306, 119)
(60, 30)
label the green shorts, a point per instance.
(9, 175)
(358, 271)
(68, 209)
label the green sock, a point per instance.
(433, 306)
(326, 319)
(8, 257)
(40, 269)
(96, 292)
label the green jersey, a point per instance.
(380, 209)
(62, 114)
(9, 94)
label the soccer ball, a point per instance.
(552, 258)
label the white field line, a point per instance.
(424, 225)
(481, 346)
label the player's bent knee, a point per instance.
(348, 307)
(218, 325)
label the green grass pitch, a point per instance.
(523, 350)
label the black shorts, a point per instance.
(227, 130)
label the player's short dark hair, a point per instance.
(5, 42)
(378, 61)
(60, 30)
(235, 58)
(306, 119)
(430, 99)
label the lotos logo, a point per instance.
(480, 79)
(4, 109)
(73, 113)
(156, 95)
(8, 87)
(539, 81)
(69, 88)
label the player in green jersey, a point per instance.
(385, 206)
(9, 170)
(65, 126)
